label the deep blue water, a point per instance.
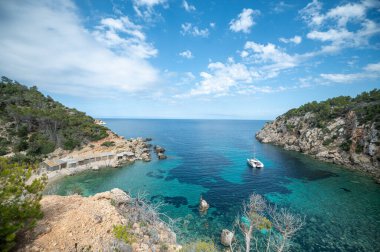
(208, 157)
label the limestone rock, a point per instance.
(159, 149)
(226, 237)
(203, 205)
(161, 156)
(342, 140)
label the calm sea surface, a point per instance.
(208, 157)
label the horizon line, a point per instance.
(153, 118)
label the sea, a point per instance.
(208, 158)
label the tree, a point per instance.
(19, 200)
(269, 228)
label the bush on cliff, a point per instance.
(366, 105)
(19, 201)
(32, 122)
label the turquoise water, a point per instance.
(208, 157)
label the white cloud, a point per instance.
(148, 3)
(270, 59)
(60, 55)
(296, 40)
(186, 54)
(311, 13)
(145, 8)
(281, 7)
(345, 26)
(244, 21)
(259, 62)
(188, 7)
(188, 28)
(373, 67)
(125, 37)
(371, 71)
(221, 78)
(212, 25)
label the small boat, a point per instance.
(255, 163)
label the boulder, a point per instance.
(203, 205)
(161, 156)
(116, 195)
(98, 219)
(226, 237)
(159, 149)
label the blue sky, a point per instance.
(191, 59)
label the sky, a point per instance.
(222, 59)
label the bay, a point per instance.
(208, 158)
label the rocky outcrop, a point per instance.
(342, 140)
(160, 152)
(123, 151)
(76, 223)
(203, 205)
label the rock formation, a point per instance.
(346, 138)
(203, 205)
(160, 152)
(226, 237)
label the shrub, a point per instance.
(327, 142)
(122, 233)
(19, 202)
(108, 143)
(70, 144)
(346, 145)
(164, 247)
(40, 144)
(359, 148)
(3, 151)
(199, 246)
(21, 146)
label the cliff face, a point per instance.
(347, 138)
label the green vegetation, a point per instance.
(122, 233)
(366, 106)
(359, 148)
(19, 202)
(108, 143)
(199, 246)
(327, 142)
(346, 145)
(38, 125)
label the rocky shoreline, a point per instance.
(76, 223)
(117, 150)
(342, 141)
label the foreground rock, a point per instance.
(75, 223)
(349, 139)
(226, 237)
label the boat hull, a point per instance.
(255, 163)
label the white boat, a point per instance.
(255, 163)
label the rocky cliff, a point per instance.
(341, 130)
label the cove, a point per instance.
(208, 157)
